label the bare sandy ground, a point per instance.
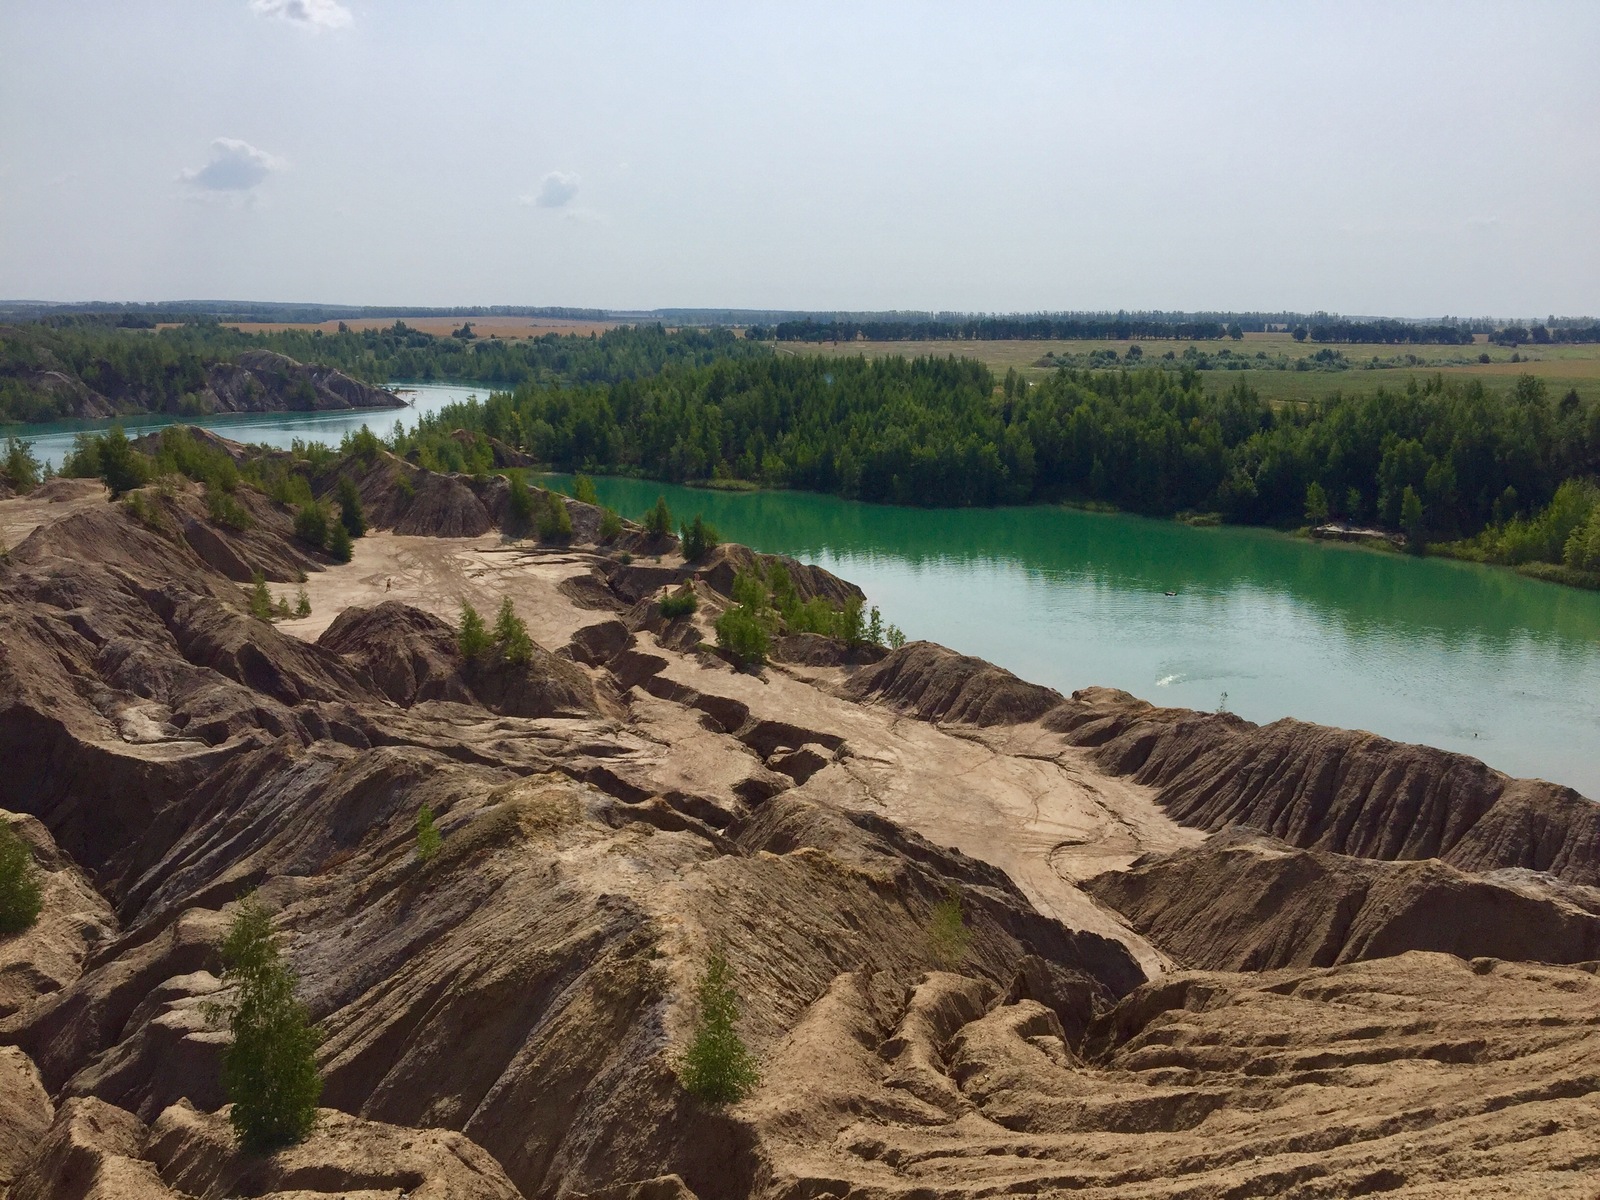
(1018, 798)
(21, 515)
(1015, 797)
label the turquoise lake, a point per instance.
(1467, 658)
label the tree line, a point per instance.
(1114, 327)
(943, 432)
(163, 371)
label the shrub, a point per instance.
(260, 599)
(226, 510)
(699, 539)
(311, 523)
(894, 636)
(339, 544)
(680, 603)
(948, 935)
(270, 1070)
(351, 514)
(20, 894)
(144, 510)
(362, 444)
(852, 623)
(555, 522)
(610, 525)
(83, 460)
(511, 635)
(717, 1067)
(428, 838)
(658, 521)
(281, 609)
(121, 466)
(19, 465)
(472, 638)
(302, 606)
(583, 490)
(519, 506)
(1582, 549)
(750, 590)
(743, 634)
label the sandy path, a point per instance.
(1019, 799)
(21, 515)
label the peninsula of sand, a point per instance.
(1200, 958)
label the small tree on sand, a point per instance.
(472, 638)
(511, 635)
(948, 935)
(20, 898)
(270, 1070)
(428, 838)
(260, 599)
(659, 519)
(717, 1068)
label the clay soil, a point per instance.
(1201, 958)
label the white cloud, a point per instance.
(235, 166)
(556, 190)
(316, 14)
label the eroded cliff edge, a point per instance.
(630, 801)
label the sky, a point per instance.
(1394, 158)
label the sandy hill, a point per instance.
(1146, 1007)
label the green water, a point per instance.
(1453, 655)
(1468, 658)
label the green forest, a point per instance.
(1474, 473)
(158, 370)
(943, 432)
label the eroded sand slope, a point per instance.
(628, 802)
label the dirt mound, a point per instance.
(73, 921)
(1420, 1075)
(936, 684)
(263, 381)
(720, 566)
(1340, 790)
(404, 653)
(526, 992)
(411, 656)
(255, 381)
(1243, 902)
(25, 1112)
(94, 1149)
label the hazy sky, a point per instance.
(1395, 158)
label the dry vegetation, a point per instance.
(1560, 366)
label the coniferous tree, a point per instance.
(717, 1067)
(472, 637)
(351, 514)
(270, 1069)
(511, 635)
(339, 545)
(20, 893)
(658, 521)
(120, 466)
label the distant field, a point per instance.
(1561, 367)
(511, 328)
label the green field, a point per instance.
(1562, 367)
